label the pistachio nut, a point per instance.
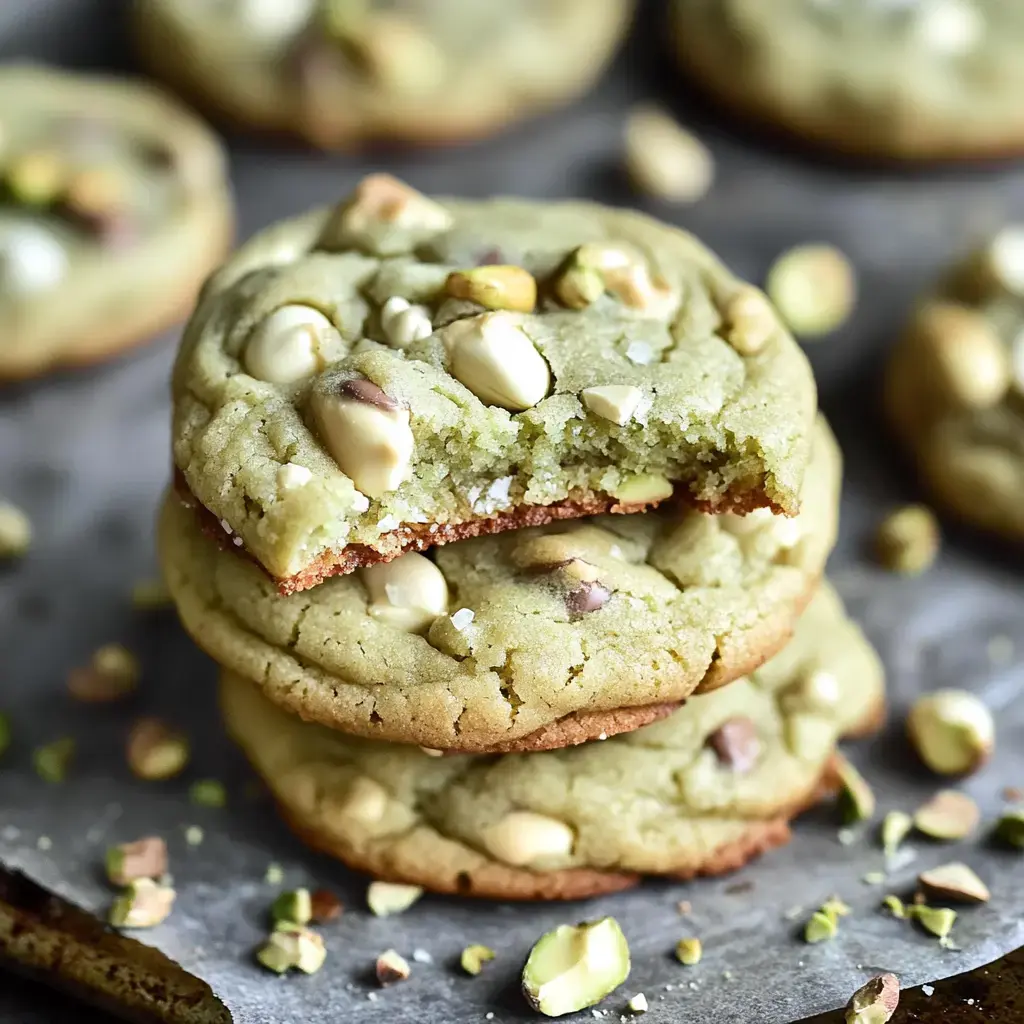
(618, 269)
(643, 489)
(615, 402)
(820, 927)
(748, 320)
(387, 898)
(295, 906)
(53, 760)
(896, 826)
(113, 672)
(144, 904)
(937, 920)
(908, 540)
(523, 839)
(407, 593)
(156, 751)
(1010, 828)
(663, 159)
(495, 287)
(952, 731)
(15, 531)
(143, 858)
(689, 951)
(473, 958)
(813, 287)
(391, 967)
(287, 345)
(292, 946)
(856, 799)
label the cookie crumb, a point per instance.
(208, 793)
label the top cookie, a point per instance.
(115, 207)
(955, 388)
(398, 372)
(338, 72)
(905, 79)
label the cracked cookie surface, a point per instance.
(338, 72)
(397, 373)
(541, 637)
(698, 793)
(915, 79)
(114, 206)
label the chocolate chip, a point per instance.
(737, 744)
(587, 597)
(363, 390)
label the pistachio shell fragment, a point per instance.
(144, 904)
(955, 881)
(948, 815)
(144, 858)
(876, 1002)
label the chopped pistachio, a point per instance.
(874, 878)
(149, 595)
(156, 751)
(36, 177)
(386, 898)
(835, 908)
(292, 946)
(895, 906)
(663, 159)
(820, 928)
(896, 826)
(638, 1004)
(689, 951)
(473, 958)
(144, 904)
(52, 761)
(112, 673)
(324, 906)
(937, 920)
(575, 966)
(391, 967)
(193, 835)
(948, 815)
(1009, 828)
(208, 793)
(295, 907)
(144, 858)
(908, 540)
(15, 531)
(813, 287)
(274, 874)
(956, 882)
(952, 731)
(856, 799)
(876, 1002)
(5, 732)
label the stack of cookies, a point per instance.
(470, 499)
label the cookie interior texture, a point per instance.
(338, 73)
(920, 80)
(115, 207)
(675, 602)
(955, 386)
(730, 431)
(695, 793)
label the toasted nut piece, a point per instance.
(366, 432)
(15, 531)
(748, 320)
(821, 927)
(615, 402)
(689, 951)
(113, 673)
(386, 898)
(366, 801)
(324, 906)
(144, 904)
(643, 489)
(813, 288)
(553, 550)
(403, 322)
(407, 593)
(1004, 259)
(473, 958)
(391, 967)
(292, 946)
(52, 761)
(384, 216)
(494, 357)
(876, 1002)
(620, 270)
(638, 1004)
(155, 751)
(856, 800)
(287, 345)
(952, 731)
(581, 570)
(896, 826)
(523, 838)
(574, 967)
(737, 744)
(37, 177)
(956, 882)
(937, 920)
(948, 815)
(495, 287)
(663, 159)
(1009, 828)
(144, 858)
(208, 793)
(908, 540)
(295, 907)
(970, 364)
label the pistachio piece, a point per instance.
(494, 357)
(937, 920)
(895, 906)
(969, 364)
(820, 928)
(1004, 259)
(643, 489)
(908, 539)
(391, 967)
(387, 898)
(835, 908)
(816, 689)
(5, 732)
(574, 967)
(586, 598)
(208, 793)
(813, 287)
(366, 800)
(952, 731)
(37, 177)
(287, 345)
(523, 838)
(689, 951)
(407, 593)
(144, 904)
(638, 1004)
(618, 269)
(876, 1002)
(856, 799)
(663, 159)
(144, 858)
(52, 761)
(15, 531)
(948, 815)
(292, 946)
(403, 322)
(324, 906)
(155, 751)
(615, 402)
(495, 287)
(473, 958)
(748, 320)
(896, 826)
(295, 907)
(366, 431)
(113, 673)
(955, 881)
(32, 259)
(737, 744)
(1010, 828)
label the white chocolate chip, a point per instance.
(366, 801)
(366, 432)
(404, 323)
(788, 531)
(949, 27)
(615, 402)
(1005, 259)
(493, 356)
(643, 489)
(32, 259)
(270, 20)
(292, 476)
(287, 345)
(407, 593)
(523, 838)
(463, 618)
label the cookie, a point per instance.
(537, 638)
(398, 373)
(116, 207)
(698, 793)
(907, 80)
(955, 387)
(338, 73)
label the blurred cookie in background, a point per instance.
(341, 72)
(891, 79)
(114, 207)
